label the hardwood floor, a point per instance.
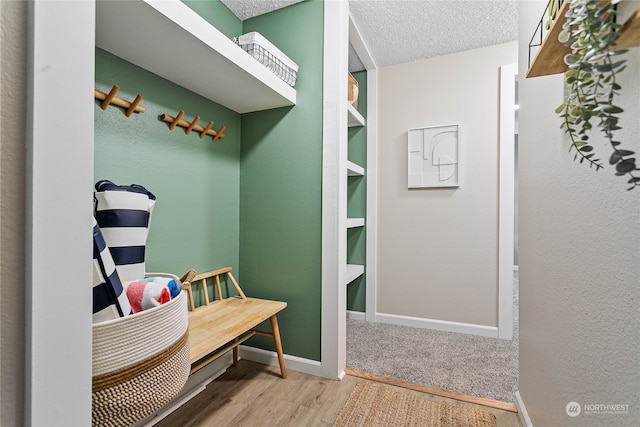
(252, 394)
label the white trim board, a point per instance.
(522, 411)
(60, 67)
(506, 209)
(334, 189)
(356, 315)
(438, 325)
(372, 196)
(293, 363)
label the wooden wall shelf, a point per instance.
(550, 56)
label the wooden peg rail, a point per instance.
(110, 98)
(189, 126)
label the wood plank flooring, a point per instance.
(252, 394)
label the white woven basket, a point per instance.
(140, 363)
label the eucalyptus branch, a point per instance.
(591, 31)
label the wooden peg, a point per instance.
(219, 134)
(133, 106)
(109, 97)
(205, 130)
(176, 120)
(195, 121)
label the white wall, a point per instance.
(579, 259)
(13, 47)
(437, 248)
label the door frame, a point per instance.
(506, 210)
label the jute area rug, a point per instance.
(371, 405)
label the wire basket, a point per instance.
(268, 55)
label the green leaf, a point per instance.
(613, 109)
(614, 159)
(563, 37)
(625, 166)
(586, 149)
(571, 59)
(561, 108)
(624, 153)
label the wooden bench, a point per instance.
(224, 323)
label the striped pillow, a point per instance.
(124, 214)
(109, 299)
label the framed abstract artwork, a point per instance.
(434, 156)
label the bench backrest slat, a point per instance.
(191, 277)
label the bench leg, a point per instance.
(235, 353)
(276, 339)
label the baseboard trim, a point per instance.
(355, 315)
(294, 363)
(438, 325)
(522, 411)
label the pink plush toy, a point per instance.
(144, 295)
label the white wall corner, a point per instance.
(506, 209)
(522, 411)
(371, 304)
(334, 183)
(59, 174)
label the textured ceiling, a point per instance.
(399, 31)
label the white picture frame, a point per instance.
(433, 156)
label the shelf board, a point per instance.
(353, 272)
(169, 39)
(630, 32)
(355, 118)
(550, 56)
(354, 170)
(355, 222)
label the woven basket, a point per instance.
(140, 363)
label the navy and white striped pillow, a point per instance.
(124, 213)
(109, 299)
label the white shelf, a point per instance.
(355, 222)
(354, 170)
(169, 39)
(353, 272)
(354, 117)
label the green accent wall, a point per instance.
(195, 221)
(218, 15)
(251, 200)
(357, 201)
(280, 186)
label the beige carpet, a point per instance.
(372, 404)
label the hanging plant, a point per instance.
(594, 63)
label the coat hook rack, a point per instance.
(193, 125)
(110, 98)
